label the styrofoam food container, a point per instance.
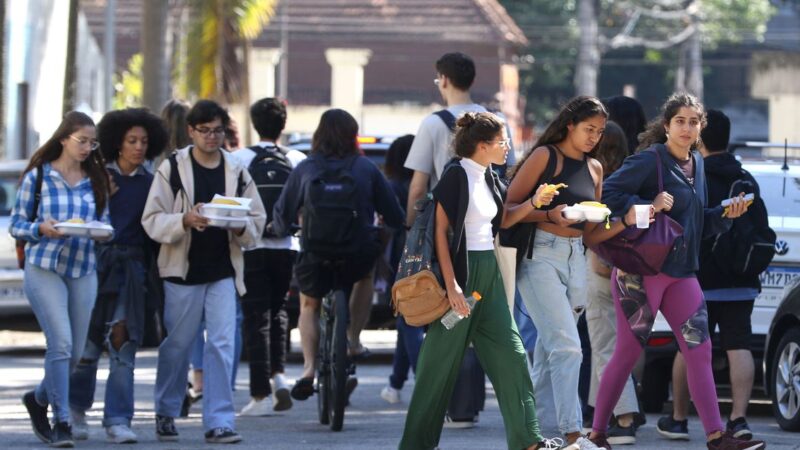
(221, 210)
(92, 229)
(226, 221)
(572, 213)
(588, 213)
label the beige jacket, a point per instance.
(163, 216)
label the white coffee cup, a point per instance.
(642, 216)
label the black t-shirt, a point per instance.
(209, 253)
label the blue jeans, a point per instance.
(406, 352)
(553, 286)
(184, 308)
(527, 331)
(63, 308)
(200, 342)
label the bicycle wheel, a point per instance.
(323, 364)
(338, 365)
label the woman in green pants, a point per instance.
(469, 209)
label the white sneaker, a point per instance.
(80, 429)
(552, 444)
(584, 444)
(256, 408)
(120, 434)
(391, 394)
(281, 398)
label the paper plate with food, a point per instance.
(221, 206)
(81, 228)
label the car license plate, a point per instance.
(773, 282)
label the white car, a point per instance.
(780, 190)
(12, 299)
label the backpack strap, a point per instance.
(448, 118)
(174, 176)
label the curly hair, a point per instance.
(473, 128)
(114, 125)
(577, 110)
(94, 165)
(656, 132)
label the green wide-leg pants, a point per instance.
(493, 333)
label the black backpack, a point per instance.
(331, 223)
(749, 246)
(270, 169)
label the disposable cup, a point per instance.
(642, 216)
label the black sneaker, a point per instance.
(673, 429)
(62, 436)
(165, 429)
(618, 435)
(639, 420)
(728, 442)
(38, 415)
(303, 388)
(222, 436)
(739, 429)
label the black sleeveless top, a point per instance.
(580, 185)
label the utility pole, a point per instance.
(283, 67)
(70, 75)
(109, 48)
(155, 72)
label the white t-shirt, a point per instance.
(432, 147)
(481, 208)
(245, 157)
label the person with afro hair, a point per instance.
(127, 139)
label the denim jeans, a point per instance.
(199, 344)
(63, 308)
(184, 309)
(553, 286)
(406, 352)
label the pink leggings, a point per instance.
(680, 300)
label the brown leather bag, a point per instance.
(419, 298)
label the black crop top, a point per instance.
(580, 185)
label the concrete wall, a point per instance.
(775, 79)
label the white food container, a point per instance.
(588, 213)
(218, 210)
(227, 222)
(92, 229)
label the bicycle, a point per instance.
(333, 367)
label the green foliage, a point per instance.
(128, 85)
(734, 20)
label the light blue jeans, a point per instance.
(63, 308)
(184, 309)
(198, 347)
(553, 287)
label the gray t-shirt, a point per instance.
(432, 147)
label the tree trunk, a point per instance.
(680, 70)
(588, 49)
(694, 75)
(155, 53)
(70, 74)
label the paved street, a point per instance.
(370, 423)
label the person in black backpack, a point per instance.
(338, 191)
(268, 265)
(729, 293)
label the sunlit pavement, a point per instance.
(370, 423)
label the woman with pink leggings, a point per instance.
(675, 290)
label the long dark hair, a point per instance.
(336, 135)
(394, 167)
(612, 150)
(94, 165)
(628, 113)
(574, 112)
(655, 132)
(174, 117)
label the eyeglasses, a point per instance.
(93, 144)
(207, 131)
(505, 143)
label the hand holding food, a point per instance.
(47, 228)
(193, 218)
(737, 206)
(550, 190)
(556, 216)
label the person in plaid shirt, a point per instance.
(60, 278)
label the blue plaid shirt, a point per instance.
(72, 257)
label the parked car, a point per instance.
(12, 298)
(782, 360)
(780, 190)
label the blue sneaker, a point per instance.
(673, 429)
(739, 429)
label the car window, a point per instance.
(8, 194)
(781, 194)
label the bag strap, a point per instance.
(448, 118)
(174, 176)
(660, 170)
(37, 192)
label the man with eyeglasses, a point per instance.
(202, 267)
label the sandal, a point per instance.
(303, 388)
